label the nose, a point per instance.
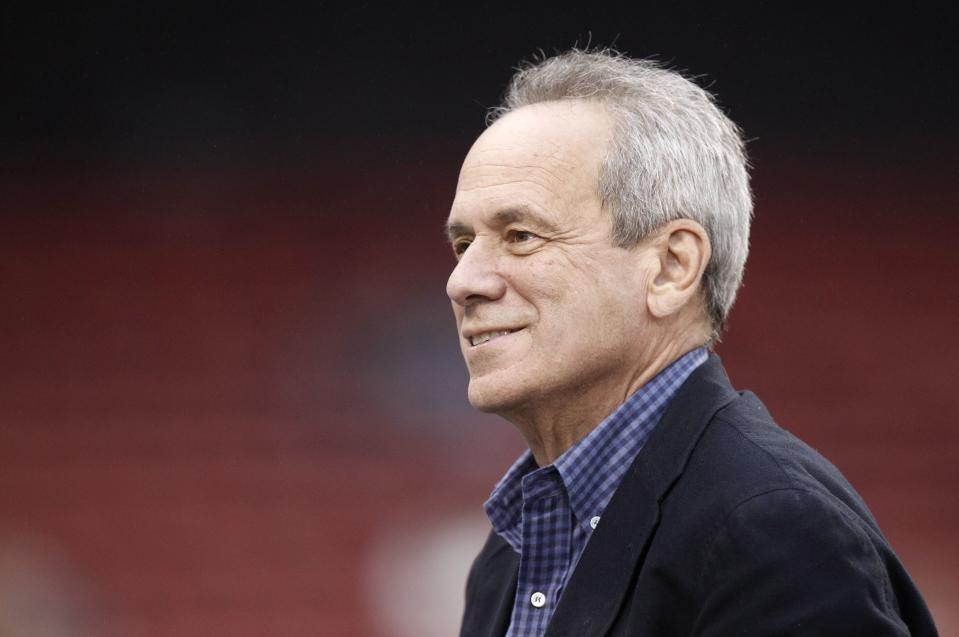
(476, 277)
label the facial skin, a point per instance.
(578, 324)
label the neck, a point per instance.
(553, 425)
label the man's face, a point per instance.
(546, 306)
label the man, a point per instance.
(601, 226)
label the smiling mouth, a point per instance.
(485, 337)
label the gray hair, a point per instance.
(674, 155)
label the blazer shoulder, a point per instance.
(836, 573)
(773, 509)
(744, 445)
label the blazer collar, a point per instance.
(595, 592)
(491, 618)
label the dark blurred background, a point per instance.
(231, 400)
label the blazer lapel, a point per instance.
(602, 578)
(509, 565)
(491, 607)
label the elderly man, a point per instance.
(600, 227)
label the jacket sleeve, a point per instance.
(796, 562)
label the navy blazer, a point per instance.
(725, 524)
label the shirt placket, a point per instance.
(546, 526)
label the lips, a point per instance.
(485, 337)
(478, 338)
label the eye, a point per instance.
(460, 245)
(519, 236)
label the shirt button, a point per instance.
(537, 599)
(594, 521)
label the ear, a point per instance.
(682, 249)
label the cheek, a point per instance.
(602, 313)
(579, 297)
(542, 285)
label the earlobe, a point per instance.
(683, 251)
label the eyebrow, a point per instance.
(501, 218)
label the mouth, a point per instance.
(485, 337)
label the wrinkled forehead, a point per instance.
(548, 149)
(517, 159)
(548, 132)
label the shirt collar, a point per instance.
(505, 504)
(593, 467)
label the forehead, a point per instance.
(540, 156)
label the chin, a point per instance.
(484, 402)
(494, 395)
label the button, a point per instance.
(594, 521)
(537, 599)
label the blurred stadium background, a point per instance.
(231, 400)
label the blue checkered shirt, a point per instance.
(548, 513)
